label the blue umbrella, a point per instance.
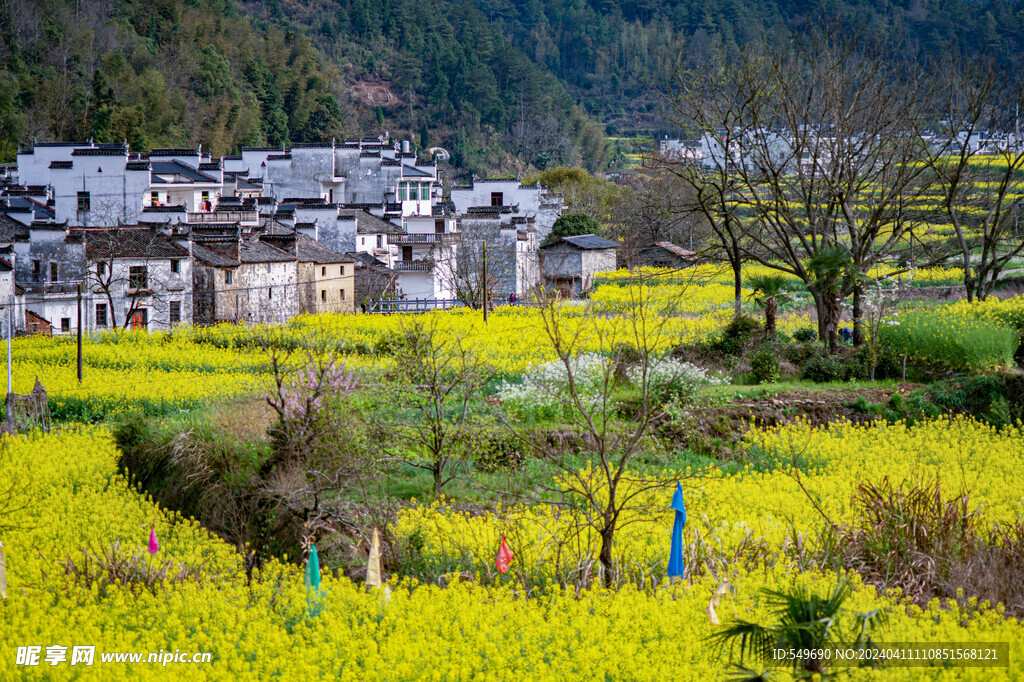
(313, 569)
(675, 555)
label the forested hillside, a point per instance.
(157, 73)
(503, 85)
(610, 52)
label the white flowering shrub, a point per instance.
(671, 380)
(544, 391)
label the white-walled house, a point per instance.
(518, 200)
(136, 277)
(428, 248)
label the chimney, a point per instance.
(405, 147)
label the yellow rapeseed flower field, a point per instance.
(68, 497)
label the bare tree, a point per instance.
(610, 491)
(811, 144)
(979, 171)
(655, 207)
(430, 404)
(118, 264)
(482, 261)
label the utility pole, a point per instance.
(79, 287)
(9, 323)
(10, 424)
(484, 283)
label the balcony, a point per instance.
(223, 217)
(413, 266)
(425, 238)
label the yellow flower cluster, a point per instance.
(68, 497)
(761, 502)
(123, 371)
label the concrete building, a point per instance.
(569, 265)
(182, 177)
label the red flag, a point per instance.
(154, 546)
(504, 557)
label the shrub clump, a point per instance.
(544, 391)
(737, 335)
(671, 380)
(824, 369)
(765, 366)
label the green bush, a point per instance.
(765, 365)
(889, 364)
(823, 369)
(805, 335)
(997, 399)
(944, 343)
(736, 335)
(798, 354)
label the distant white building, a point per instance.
(521, 201)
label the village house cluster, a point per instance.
(150, 240)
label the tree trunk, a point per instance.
(969, 280)
(858, 315)
(737, 282)
(438, 471)
(607, 536)
(831, 310)
(771, 308)
(819, 311)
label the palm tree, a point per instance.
(804, 622)
(768, 289)
(829, 266)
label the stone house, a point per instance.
(327, 278)
(241, 278)
(569, 265)
(666, 255)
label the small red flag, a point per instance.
(154, 546)
(504, 557)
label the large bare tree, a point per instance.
(811, 144)
(979, 168)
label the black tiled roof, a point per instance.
(60, 164)
(173, 151)
(121, 151)
(175, 167)
(127, 242)
(367, 223)
(309, 249)
(256, 251)
(211, 257)
(586, 242)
